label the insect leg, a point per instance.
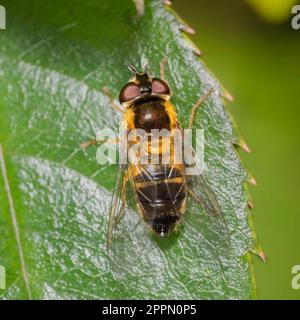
(107, 92)
(92, 142)
(163, 63)
(197, 105)
(121, 214)
(198, 199)
(194, 196)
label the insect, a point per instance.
(160, 190)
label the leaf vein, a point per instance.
(15, 223)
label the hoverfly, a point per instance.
(159, 190)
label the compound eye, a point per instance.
(159, 86)
(129, 92)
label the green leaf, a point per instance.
(54, 60)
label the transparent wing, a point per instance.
(174, 195)
(117, 208)
(124, 224)
(209, 218)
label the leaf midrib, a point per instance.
(14, 223)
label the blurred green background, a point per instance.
(255, 53)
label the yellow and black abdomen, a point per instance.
(161, 196)
(160, 188)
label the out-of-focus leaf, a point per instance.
(273, 10)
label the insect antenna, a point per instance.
(132, 69)
(146, 67)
